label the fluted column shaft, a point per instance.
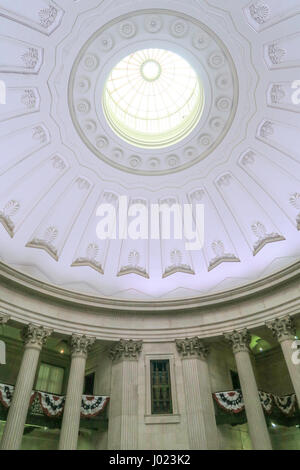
(71, 417)
(284, 331)
(202, 428)
(258, 429)
(34, 338)
(123, 417)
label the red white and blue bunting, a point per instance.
(233, 402)
(52, 405)
(6, 393)
(267, 401)
(230, 401)
(92, 405)
(287, 404)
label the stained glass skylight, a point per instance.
(153, 98)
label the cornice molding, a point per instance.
(241, 293)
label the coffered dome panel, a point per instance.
(68, 142)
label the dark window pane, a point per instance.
(235, 380)
(161, 395)
(89, 384)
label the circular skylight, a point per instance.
(153, 98)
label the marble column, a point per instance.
(284, 331)
(258, 429)
(201, 421)
(3, 320)
(34, 338)
(123, 415)
(80, 345)
(102, 387)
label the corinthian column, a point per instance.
(123, 416)
(284, 330)
(202, 428)
(80, 346)
(258, 430)
(34, 338)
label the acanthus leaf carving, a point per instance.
(191, 347)
(126, 349)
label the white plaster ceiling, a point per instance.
(59, 157)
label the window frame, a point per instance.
(160, 418)
(51, 365)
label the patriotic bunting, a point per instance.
(91, 405)
(287, 404)
(267, 402)
(52, 405)
(6, 393)
(233, 402)
(230, 401)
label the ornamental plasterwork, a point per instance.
(81, 344)
(35, 335)
(48, 16)
(191, 347)
(134, 257)
(263, 237)
(126, 349)
(31, 58)
(295, 202)
(29, 99)
(92, 253)
(214, 62)
(282, 328)
(45, 20)
(277, 94)
(221, 256)
(239, 340)
(267, 129)
(39, 133)
(276, 54)
(260, 12)
(47, 242)
(6, 216)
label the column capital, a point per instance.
(35, 335)
(191, 347)
(3, 318)
(282, 328)
(81, 343)
(239, 340)
(126, 349)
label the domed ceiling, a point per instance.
(62, 154)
